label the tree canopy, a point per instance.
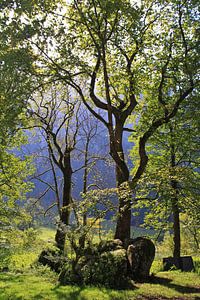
(121, 58)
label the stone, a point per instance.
(184, 263)
(140, 254)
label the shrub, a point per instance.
(108, 269)
(13, 252)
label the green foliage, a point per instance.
(42, 282)
(165, 248)
(97, 268)
(109, 52)
(105, 270)
(94, 206)
(15, 170)
(145, 55)
(14, 184)
(188, 245)
(21, 262)
(15, 246)
(150, 52)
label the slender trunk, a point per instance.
(65, 210)
(176, 229)
(65, 213)
(85, 179)
(175, 206)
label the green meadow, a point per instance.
(26, 280)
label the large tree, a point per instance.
(171, 183)
(121, 58)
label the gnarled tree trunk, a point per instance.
(122, 230)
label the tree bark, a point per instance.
(85, 179)
(176, 229)
(66, 200)
(175, 205)
(65, 213)
(123, 226)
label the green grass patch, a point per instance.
(156, 267)
(46, 234)
(44, 285)
(27, 281)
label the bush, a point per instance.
(21, 261)
(108, 269)
(52, 258)
(13, 252)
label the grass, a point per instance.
(25, 282)
(47, 234)
(37, 286)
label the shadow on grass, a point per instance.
(6, 277)
(179, 288)
(61, 293)
(70, 295)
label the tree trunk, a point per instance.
(85, 180)
(176, 229)
(65, 210)
(175, 206)
(65, 213)
(123, 226)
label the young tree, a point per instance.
(67, 130)
(134, 59)
(54, 110)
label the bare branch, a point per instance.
(49, 208)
